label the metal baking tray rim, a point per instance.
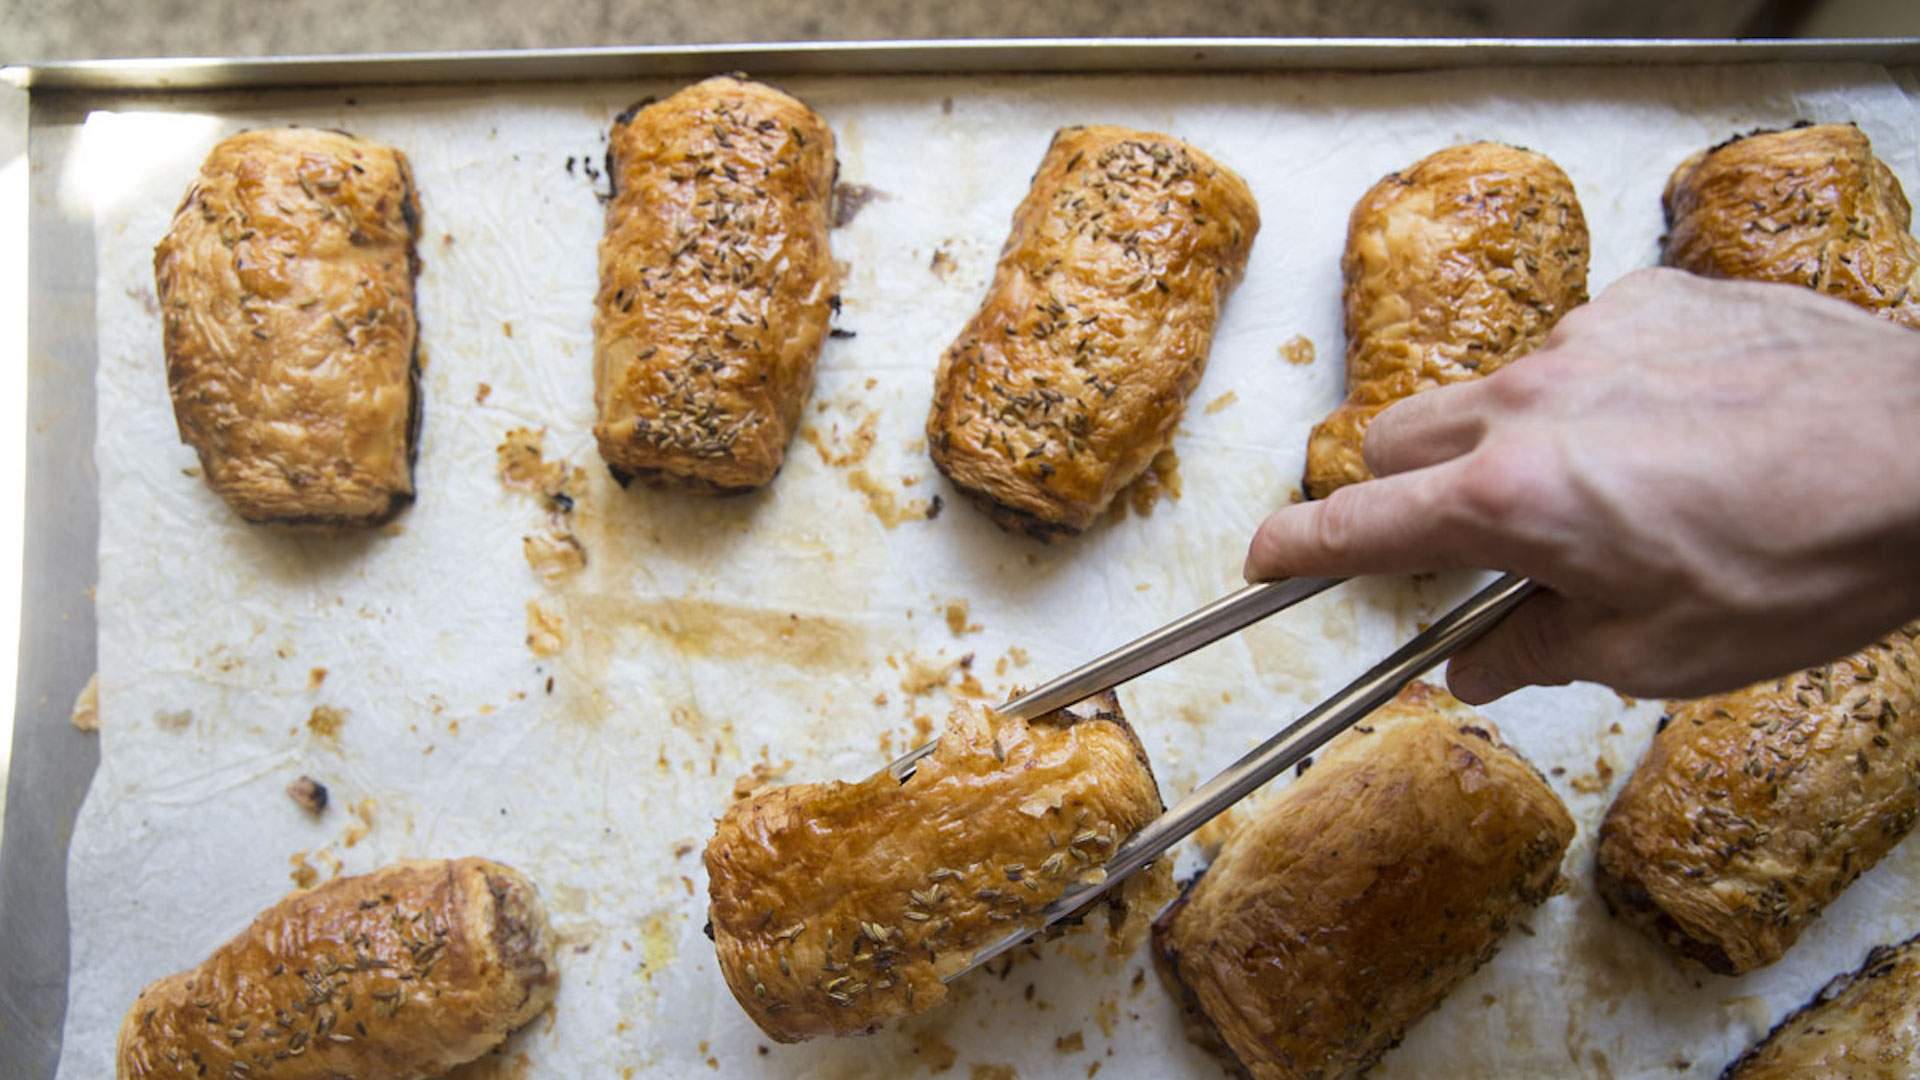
(982, 55)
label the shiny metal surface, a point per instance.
(1196, 630)
(52, 762)
(1008, 56)
(1282, 752)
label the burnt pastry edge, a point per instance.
(1198, 1026)
(1011, 518)
(397, 501)
(668, 480)
(1627, 898)
(1879, 963)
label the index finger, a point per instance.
(1395, 524)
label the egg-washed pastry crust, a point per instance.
(716, 284)
(1357, 898)
(404, 972)
(1753, 810)
(836, 907)
(1454, 268)
(1808, 206)
(1078, 365)
(286, 294)
(1863, 1023)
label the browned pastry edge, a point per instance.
(1627, 899)
(673, 477)
(1200, 1028)
(666, 480)
(1878, 964)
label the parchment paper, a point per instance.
(788, 629)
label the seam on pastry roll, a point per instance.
(286, 286)
(1077, 367)
(404, 972)
(1809, 206)
(1453, 268)
(1865, 1022)
(716, 284)
(837, 907)
(1359, 896)
(1752, 810)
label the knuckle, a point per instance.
(1337, 522)
(1522, 384)
(1496, 487)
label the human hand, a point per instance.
(1716, 482)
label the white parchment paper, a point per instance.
(791, 629)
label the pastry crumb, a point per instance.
(1224, 401)
(1297, 350)
(315, 677)
(546, 630)
(309, 795)
(554, 555)
(481, 393)
(1071, 1043)
(884, 503)
(86, 705)
(326, 721)
(957, 619)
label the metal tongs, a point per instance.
(1284, 750)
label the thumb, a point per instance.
(1540, 644)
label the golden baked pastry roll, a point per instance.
(837, 907)
(1076, 368)
(1863, 1024)
(1808, 206)
(716, 284)
(286, 294)
(402, 973)
(1753, 810)
(1360, 895)
(1454, 268)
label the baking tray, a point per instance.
(52, 762)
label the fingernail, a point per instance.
(1474, 684)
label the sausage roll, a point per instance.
(1095, 330)
(1809, 206)
(402, 973)
(716, 284)
(1357, 898)
(1753, 810)
(1454, 268)
(836, 907)
(286, 293)
(1863, 1024)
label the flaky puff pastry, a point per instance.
(1864, 1025)
(402, 973)
(1454, 268)
(1753, 810)
(837, 907)
(286, 293)
(1808, 206)
(1363, 893)
(1096, 328)
(716, 284)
